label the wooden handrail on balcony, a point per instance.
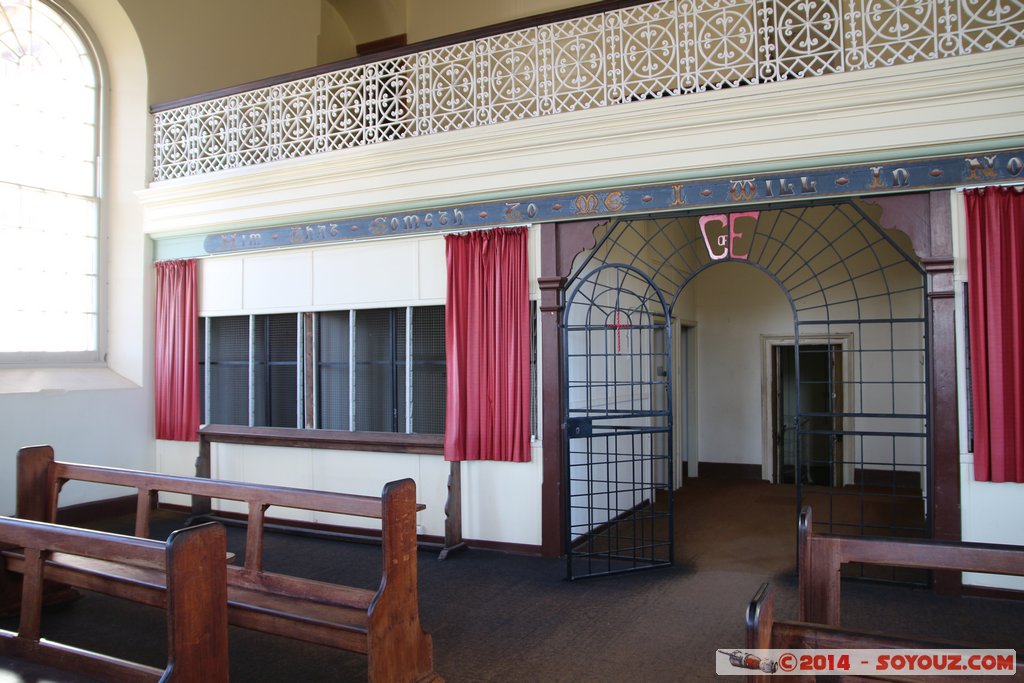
(419, 46)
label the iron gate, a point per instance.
(861, 454)
(618, 426)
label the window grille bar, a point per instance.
(408, 370)
(252, 370)
(300, 371)
(206, 369)
(352, 371)
(316, 421)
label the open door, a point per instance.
(807, 422)
(618, 424)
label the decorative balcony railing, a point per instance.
(658, 49)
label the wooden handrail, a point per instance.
(196, 598)
(417, 47)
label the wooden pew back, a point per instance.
(821, 559)
(384, 624)
(823, 555)
(193, 560)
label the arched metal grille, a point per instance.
(619, 423)
(862, 460)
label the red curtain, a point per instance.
(487, 335)
(995, 273)
(177, 362)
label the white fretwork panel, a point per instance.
(725, 42)
(657, 49)
(985, 25)
(576, 64)
(447, 89)
(644, 52)
(897, 31)
(390, 100)
(803, 38)
(508, 68)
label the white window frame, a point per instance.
(98, 356)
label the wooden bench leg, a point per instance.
(453, 513)
(10, 591)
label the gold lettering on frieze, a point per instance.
(981, 168)
(742, 190)
(614, 201)
(876, 178)
(514, 211)
(677, 195)
(900, 178)
(586, 204)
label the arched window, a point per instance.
(49, 186)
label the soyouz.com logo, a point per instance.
(975, 662)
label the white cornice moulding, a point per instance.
(971, 102)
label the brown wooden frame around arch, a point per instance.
(924, 217)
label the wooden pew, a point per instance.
(194, 591)
(384, 623)
(821, 559)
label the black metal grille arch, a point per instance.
(618, 423)
(844, 276)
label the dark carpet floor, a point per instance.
(500, 617)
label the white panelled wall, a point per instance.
(500, 501)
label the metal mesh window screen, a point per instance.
(380, 358)
(201, 346)
(398, 347)
(533, 369)
(429, 370)
(377, 372)
(275, 368)
(333, 369)
(229, 370)
(967, 363)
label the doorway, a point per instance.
(806, 413)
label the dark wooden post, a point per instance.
(453, 513)
(927, 219)
(397, 646)
(201, 505)
(36, 496)
(559, 245)
(197, 613)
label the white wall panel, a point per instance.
(278, 282)
(177, 458)
(992, 513)
(364, 473)
(501, 501)
(378, 274)
(220, 285)
(280, 467)
(433, 269)
(262, 465)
